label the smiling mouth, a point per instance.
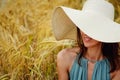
(86, 38)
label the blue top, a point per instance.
(100, 72)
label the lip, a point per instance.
(86, 38)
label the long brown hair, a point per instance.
(109, 50)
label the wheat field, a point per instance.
(28, 48)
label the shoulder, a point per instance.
(67, 53)
(66, 57)
(116, 75)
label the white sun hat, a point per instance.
(96, 19)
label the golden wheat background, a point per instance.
(28, 48)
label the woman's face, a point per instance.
(89, 42)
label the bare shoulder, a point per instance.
(67, 53)
(67, 56)
(117, 75)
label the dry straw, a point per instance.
(27, 46)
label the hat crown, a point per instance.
(101, 7)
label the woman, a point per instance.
(96, 57)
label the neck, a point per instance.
(94, 54)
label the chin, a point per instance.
(91, 44)
(88, 45)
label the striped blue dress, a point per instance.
(100, 72)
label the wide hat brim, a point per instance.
(97, 26)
